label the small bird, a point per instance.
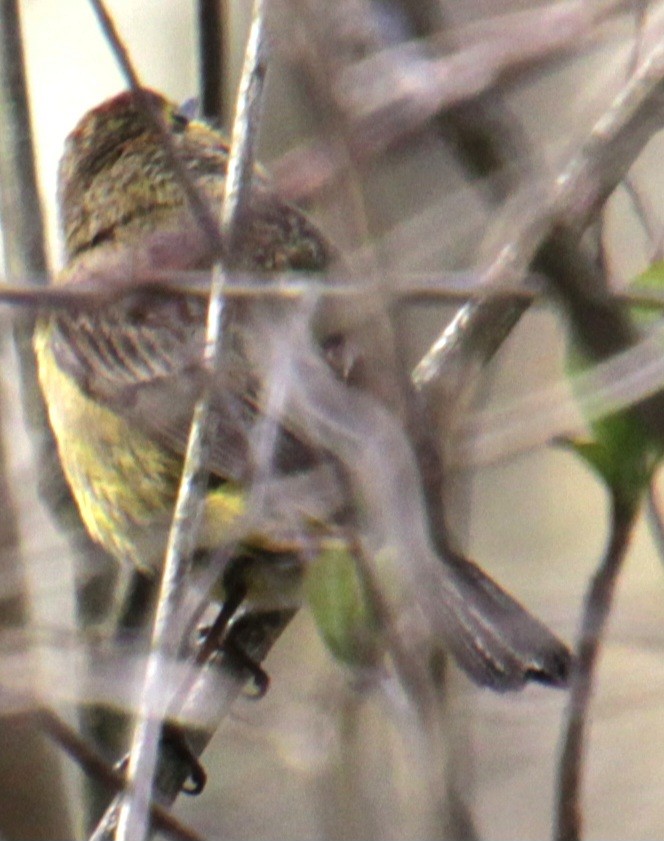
(121, 377)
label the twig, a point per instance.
(482, 133)
(398, 89)
(205, 217)
(317, 56)
(439, 288)
(395, 91)
(21, 222)
(24, 249)
(647, 216)
(132, 822)
(576, 194)
(595, 614)
(22, 235)
(626, 378)
(242, 155)
(20, 209)
(95, 765)
(640, 11)
(212, 58)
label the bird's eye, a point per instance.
(179, 122)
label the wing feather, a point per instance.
(140, 356)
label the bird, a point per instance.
(121, 376)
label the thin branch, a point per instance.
(482, 133)
(259, 634)
(21, 223)
(640, 12)
(595, 614)
(242, 155)
(22, 234)
(96, 766)
(212, 57)
(396, 91)
(204, 215)
(320, 48)
(404, 289)
(647, 216)
(417, 288)
(132, 822)
(616, 384)
(24, 249)
(20, 207)
(575, 195)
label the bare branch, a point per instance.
(199, 207)
(133, 821)
(417, 288)
(212, 18)
(648, 217)
(574, 196)
(20, 207)
(24, 249)
(95, 765)
(595, 614)
(396, 90)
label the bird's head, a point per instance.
(114, 171)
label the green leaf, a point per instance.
(651, 279)
(622, 454)
(342, 606)
(621, 450)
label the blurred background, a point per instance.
(318, 758)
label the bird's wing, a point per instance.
(141, 357)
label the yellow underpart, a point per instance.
(124, 483)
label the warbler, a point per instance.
(121, 378)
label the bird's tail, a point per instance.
(495, 640)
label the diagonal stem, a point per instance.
(110, 777)
(596, 611)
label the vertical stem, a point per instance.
(21, 223)
(21, 235)
(212, 57)
(20, 210)
(656, 518)
(133, 820)
(28, 767)
(595, 615)
(26, 259)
